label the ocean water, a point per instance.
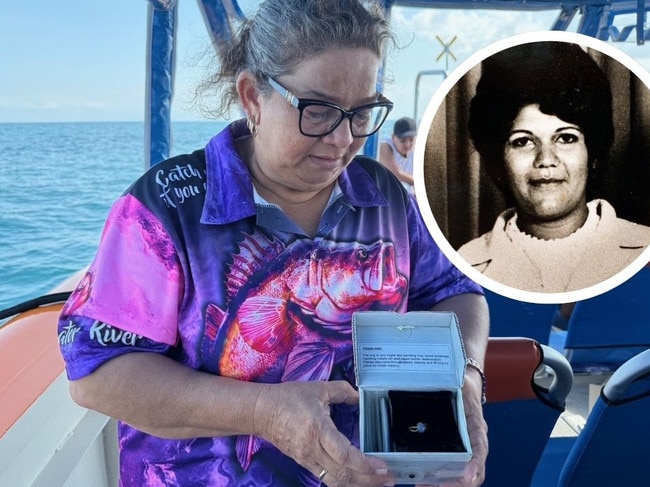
(57, 183)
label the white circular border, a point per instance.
(418, 169)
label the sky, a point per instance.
(84, 60)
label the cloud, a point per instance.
(473, 28)
(418, 30)
(5, 103)
(49, 105)
(65, 110)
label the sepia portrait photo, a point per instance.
(536, 167)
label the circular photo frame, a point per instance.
(531, 167)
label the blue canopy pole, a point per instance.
(567, 13)
(219, 16)
(161, 60)
(640, 22)
(596, 21)
(371, 147)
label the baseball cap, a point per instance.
(405, 127)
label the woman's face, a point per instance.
(291, 161)
(547, 164)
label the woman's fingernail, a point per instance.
(381, 471)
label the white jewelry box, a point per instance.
(417, 353)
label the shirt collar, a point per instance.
(229, 189)
(230, 195)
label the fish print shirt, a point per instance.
(191, 266)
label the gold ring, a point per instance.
(322, 474)
(418, 428)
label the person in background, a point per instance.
(396, 152)
(215, 321)
(541, 121)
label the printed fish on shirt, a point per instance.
(298, 308)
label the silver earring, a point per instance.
(251, 126)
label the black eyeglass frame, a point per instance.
(302, 103)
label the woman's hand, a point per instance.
(295, 417)
(473, 318)
(474, 473)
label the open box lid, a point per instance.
(415, 349)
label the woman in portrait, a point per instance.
(541, 120)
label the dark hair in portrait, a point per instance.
(539, 73)
(465, 173)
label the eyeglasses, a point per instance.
(320, 118)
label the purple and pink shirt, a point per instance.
(191, 266)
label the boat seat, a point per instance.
(520, 412)
(611, 449)
(513, 318)
(605, 331)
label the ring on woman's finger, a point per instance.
(321, 475)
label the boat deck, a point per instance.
(578, 405)
(579, 402)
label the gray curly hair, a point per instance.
(284, 33)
